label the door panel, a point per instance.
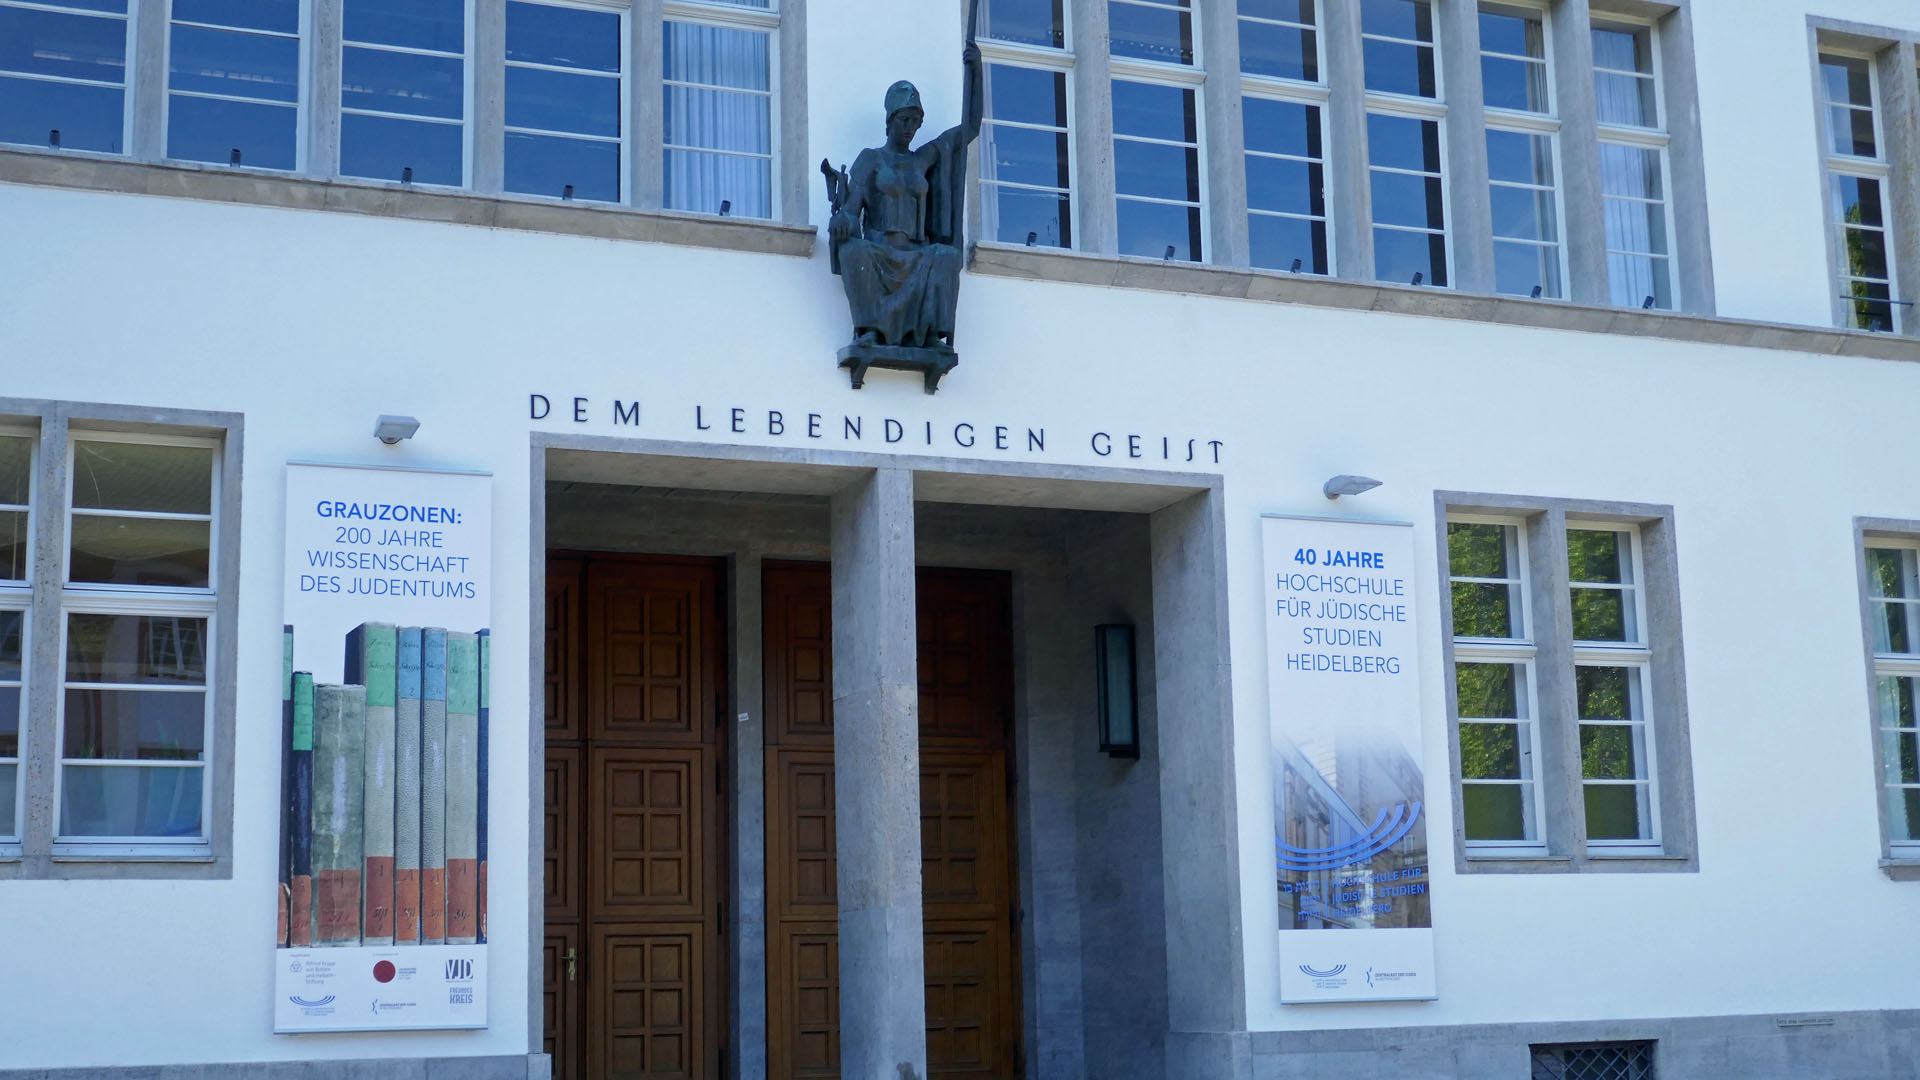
(647, 824)
(648, 1021)
(633, 794)
(966, 826)
(560, 1001)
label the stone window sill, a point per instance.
(1901, 869)
(253, 187)
(1117, 271)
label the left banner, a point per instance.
(385, 664)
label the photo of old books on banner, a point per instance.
(384, 822)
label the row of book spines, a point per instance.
(393, 665)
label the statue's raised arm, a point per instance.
(896, 232)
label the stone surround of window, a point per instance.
(1899, 856)
(1895, 55)
(1562, 844)
(33, 851)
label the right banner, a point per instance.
(1350, 830)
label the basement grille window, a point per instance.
(1594, 1061)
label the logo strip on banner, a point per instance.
(1349, 787)
(383, 726)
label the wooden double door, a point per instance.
(635, 983)
(636, 822)
(966, 825)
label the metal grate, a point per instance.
(1594, 1061)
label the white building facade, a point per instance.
(1612, 297)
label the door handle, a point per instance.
(571, 960)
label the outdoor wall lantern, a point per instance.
(1348, 485)
(1119, 715)
(391, 429)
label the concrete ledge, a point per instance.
(85, 172)
(1116, 271)
(499, 1067)
(1901, 869)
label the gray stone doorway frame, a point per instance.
(871, 499)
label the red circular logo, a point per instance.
(383, 971)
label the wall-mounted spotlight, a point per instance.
(1348, 485)
(391, 429)
(1113, 665)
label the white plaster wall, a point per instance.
(311, 324)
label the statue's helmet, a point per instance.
(903, 95)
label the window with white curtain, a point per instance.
(1406, 171)
(1858, 171)
(63, 74)
(1283, 111)
(719, 118)
(565, 120)
(1634, 176)
(1523, 139)
(1026, 176)
(233, 82)
(404, 90)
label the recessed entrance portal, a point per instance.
(966, 824)
(635, 829)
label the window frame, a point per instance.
(1410, 107)
(1190, 78)
(16, 594)
(1316, 94)
(1566, 847)
(624, 80)
(768, 20)
(1635, 656)
(1054, 62)
(39, 852)
(302, 100)
(129, 78)
(1523, 122)
(93, 598)
(1879, 169)
(1524, 651)
(339, 43)
(1658, 138)
(1899, 859)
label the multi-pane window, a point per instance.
(1405, 171)
(1612, 662)
(1282, 111)
(136, 617)
(1633, 166)
(1025, 181)
(1026, 177)
(1286, 185)
(1156, 160)
(564, 115)
(63, 74)
(1857, 174)
(233, 82)
(1493, 675)
(719, 112)
(1546, 719)
(1893, 597)
(1158, 30)
(1522, 144)
(16, 596)
(403, 90)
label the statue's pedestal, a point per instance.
(930, 362)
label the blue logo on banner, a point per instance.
(1388, 827)
(305, 1004)
(1328, 974)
